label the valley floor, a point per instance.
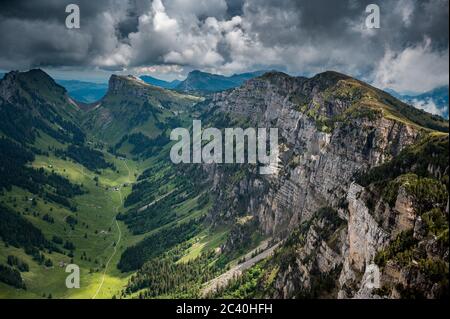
(99, 237)
(102, 240)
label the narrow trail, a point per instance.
(129, 171)
(116, 210)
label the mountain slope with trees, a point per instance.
(362, 179)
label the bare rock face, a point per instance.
(317, 164)
(366, 237)
(316, 251)
(404, 207)
(324, 146)
(9, 87)
(371, 232)
(129, 85)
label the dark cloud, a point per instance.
(301, 37)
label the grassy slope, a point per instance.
(97, 209)
(111, 120)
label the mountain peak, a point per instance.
(34, 81)
(124, 83)
(332, 75)
(130, 79)
(329, 78)
(194, 72)
(275, 75)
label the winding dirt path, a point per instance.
(116, 210)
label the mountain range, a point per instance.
(435, 101)
(196, 82)
(362, 184)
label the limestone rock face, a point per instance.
(317, 165)
(404, 207)
(324, 145)
(318, 253)
(327, 137)
(366, 237)
(129, 85)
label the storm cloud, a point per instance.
(409, 53)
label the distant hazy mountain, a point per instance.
(196, 82)
(202, 82)
(435, 101)
(86, 92)
(161, 83)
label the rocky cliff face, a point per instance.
(331, 129)
(318, 163)
(128, 85)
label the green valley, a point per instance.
(79, 189)
(93, 185)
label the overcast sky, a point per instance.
(168, 38)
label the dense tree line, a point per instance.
(11, 276)
(18, 232)
(149, 182)
(142, 190)
(23, 126)
(154, 245)
(186, 184)
(20, 128)
(159, 214)
(164, 277)
(247, 286)
(14, 261)
(145, 146)
(13, 158)
(89, 158)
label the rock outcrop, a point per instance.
(332, 128)
(318, 163)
